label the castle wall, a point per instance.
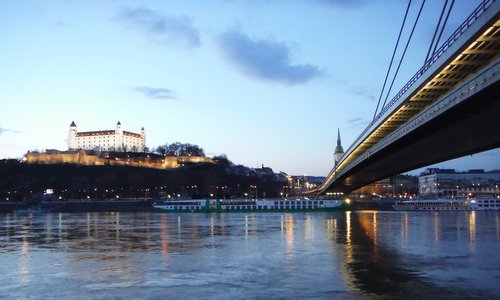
(82, 158)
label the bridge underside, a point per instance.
(470, 127)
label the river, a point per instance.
(269, 255)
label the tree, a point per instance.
(180, 149)
(193, 150)
(223, 160)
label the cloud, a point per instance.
(164, 29)
(265, 59)
(61, 24)
(356, 122)
(344, 3)
(5, 130)
(155, 93)
(364, 92)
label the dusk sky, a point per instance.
(264, 82)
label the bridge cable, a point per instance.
(436, 31)
(392, 58)
(404, 52)
(444, 24)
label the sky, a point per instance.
(264, 82)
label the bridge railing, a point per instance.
(460, 30)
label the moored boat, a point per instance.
(229, 205)
(183, 205)
(31, 210)
(448, 204)
(485, 203)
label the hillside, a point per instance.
(27, 182)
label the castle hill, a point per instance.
(116, 166)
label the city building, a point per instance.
(106, 140)
(397, 186)
(298, 184)
(449, 183)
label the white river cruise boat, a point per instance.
(228, 205)
(449, 204)
(485, 203)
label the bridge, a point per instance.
(448, 109)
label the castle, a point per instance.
(106, 140)
(110, 148)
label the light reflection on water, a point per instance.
(251, 255)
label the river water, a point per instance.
(320, 255)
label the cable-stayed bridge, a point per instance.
(448, 109)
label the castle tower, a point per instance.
(118, 128)
(72, 136)
(119, 137)
(143, 136)
(339, 151)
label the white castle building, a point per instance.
(106, 140)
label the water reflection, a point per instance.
(348, 238)
(24, 264)
(375, 268)
(380, 264)
(287, 231)
(164, 234)
(368, 222)
(472, 227)
(404, 229)
(324, 255)
(437, 227)
(498, 227)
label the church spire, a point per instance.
(339, 151)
